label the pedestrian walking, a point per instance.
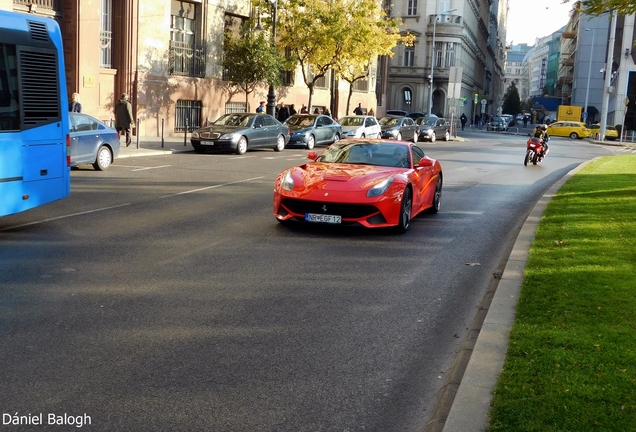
(292, 110)
(525, 121)
(463, 119)
(75, 105)
(283, 113)
(303, 110)
(261, 107)
(358, 110)
(124, 117)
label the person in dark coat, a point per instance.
(124, 117)
(283, 113)
(75, 105)
(463, 119)
(292, 110)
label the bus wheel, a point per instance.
(104, 159)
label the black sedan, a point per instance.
(432, 128)
(92, 142)
(399, 128)
(307, 130)
(239, 132)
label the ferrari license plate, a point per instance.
(208, 143)
(323, 218)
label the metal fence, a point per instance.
(187, 114)
(186, 59)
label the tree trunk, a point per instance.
(349, 97)
(311, 95)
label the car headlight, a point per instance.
(195, 134)
(287, 182)
(227, 136)
(299, 134)
(380, 188)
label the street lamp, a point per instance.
(430, 95)
(589, 73)
(271, 94)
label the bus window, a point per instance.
(9, 107)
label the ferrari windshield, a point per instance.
(389, 155)
(351, 121)
(235, 119)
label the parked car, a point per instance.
(359, 126)
(570, 129)
(308, 130)
(497, 123)
(510, 120)
(399, 128)
(402, 113)
(611, 133)
(362, 182)
(92, 142)
(241, 131)
(432, 128)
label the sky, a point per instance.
(531, 19)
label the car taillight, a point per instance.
(68, 150)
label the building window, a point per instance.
(409, 56)
(444, 6)
(408, 99)
(287, 78)
(187, 114)
(186, 58)
(411, 7)
(361, 85)
(235, 107)
(449, 55)
(106, 34)
(444, 54)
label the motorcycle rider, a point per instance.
(541, 132)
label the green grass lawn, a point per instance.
(571, 362)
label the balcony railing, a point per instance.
(186, 59)
(55, 5)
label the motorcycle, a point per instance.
(534, 151)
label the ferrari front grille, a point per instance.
(347, 211)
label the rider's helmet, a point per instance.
(544, 126)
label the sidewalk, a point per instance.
(152, 146)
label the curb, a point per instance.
(471, 407)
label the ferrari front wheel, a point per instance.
(437, 198)
(405, 211)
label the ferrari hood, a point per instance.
(339, 177)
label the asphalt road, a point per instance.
(163, 295)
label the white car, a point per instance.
(360, 126)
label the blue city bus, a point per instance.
(34, 131)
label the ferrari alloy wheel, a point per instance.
(399, 137)
(526, 159)
(311, 142)
(447, 136)
(280, 143)
(437, 198)
(405, 211)
(104, 159)
(433, 137)
(241, 146)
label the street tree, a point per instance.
(597, 7)
(512, 101)
(250, 59)
(311, 31)
(371, 33)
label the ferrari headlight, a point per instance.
(380, 188)
(227, 136)
(287, 182)
(195, 134)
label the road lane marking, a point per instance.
(64, 217)
(211, 187)
(149, 168)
